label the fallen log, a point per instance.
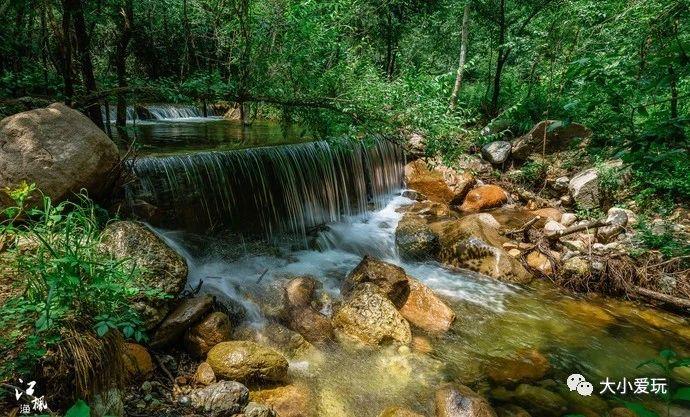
(680, 303)
(523, 230)
(595, 224)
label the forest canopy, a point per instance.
(348, 67)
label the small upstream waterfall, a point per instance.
(157, 112)
(270, 189)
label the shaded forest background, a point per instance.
(338, 67)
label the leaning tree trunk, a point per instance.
(84, 52)
(463, 53)
(500, 60)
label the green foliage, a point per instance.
(67, 281)
(79, 409)
(609, 182)
(662, 237)
(532, 173)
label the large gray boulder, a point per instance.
(584, 188)
(57, 148)
(558, 137)
(161, 268)
(221, 398)
(496, 152)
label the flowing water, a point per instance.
(341, 202)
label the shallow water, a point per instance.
(598, 338)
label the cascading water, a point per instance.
(270, 189)
(152, 112)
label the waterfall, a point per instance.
(271, 189)
(157, 112)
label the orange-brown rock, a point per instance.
(204, 374)
(421, 344)
(540, 262)
(210, 331)
(525, 366)
(287, 401)
(426, 310)
(312, 325)
(484, 197)
(439, 184)
(300, 290)
(549, 213)
(137, 360)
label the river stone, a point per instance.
(275, 335)
(137, 361)
(399, 412)
(472, 244)
(247, 361)
(558, 137)
(618, 219)
(512, 410)
(311, 324)
(108, 403)
(162, 268)
(287, 401)
(439, 184)
(567, 219)
(584, 189)
(204, 374)
(389, 278)
(414, 239)
(210, 331)
(258, 410)
(550, 213)
(461, 401)
(300, 290)
(575, 269)
(525, 366)
(496, 152)
(58, 149)
(368, 316)
(484, 197)
(180, 319)
(540, 401)
(221, 398)
(426, 310)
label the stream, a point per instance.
(312, 208)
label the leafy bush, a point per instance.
(532, 173)
(662, 238)
(68, 283)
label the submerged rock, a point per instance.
(247, 361)
(57, 148)
(415, 240)
(461, 401)
(275, 335)
(390, 279)
(300, 290)
(369, 317)
(484, 197)
(258, 410)
(162, 268)
(525, 366)
(287, 401)
(221, 398)
(182, 318)
(399, 412)
(210, 331)
(426, 310)
(540, 401)
(312, 325)
(512, 410)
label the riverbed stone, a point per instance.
(57, 148)
(568, 219)
(527, 365)
(185, 315)
(414, 238)
(163, 268)
(540, 401)
(398, 412)
(484, 197)
(575, 269)
(288, 401)
(584, 189)
(426, 310)
(496, 152)
(137, 361)
(247, 361)
(549, 135)
(618, 219)
(300, 290)
(311, 324)
(258, 410)
(221, 398)
(288, 342)
(210, 331)
(390, 279)
(512, 410)
(439, 183)
(550, 213)
(461, 401)
(369, 317)
(204, 374)
(540, 262)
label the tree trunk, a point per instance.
(83, 49)
(65, 52)
(674, 92)
(500, 61)
(127, 13)
(390, 47)
(463, 53)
